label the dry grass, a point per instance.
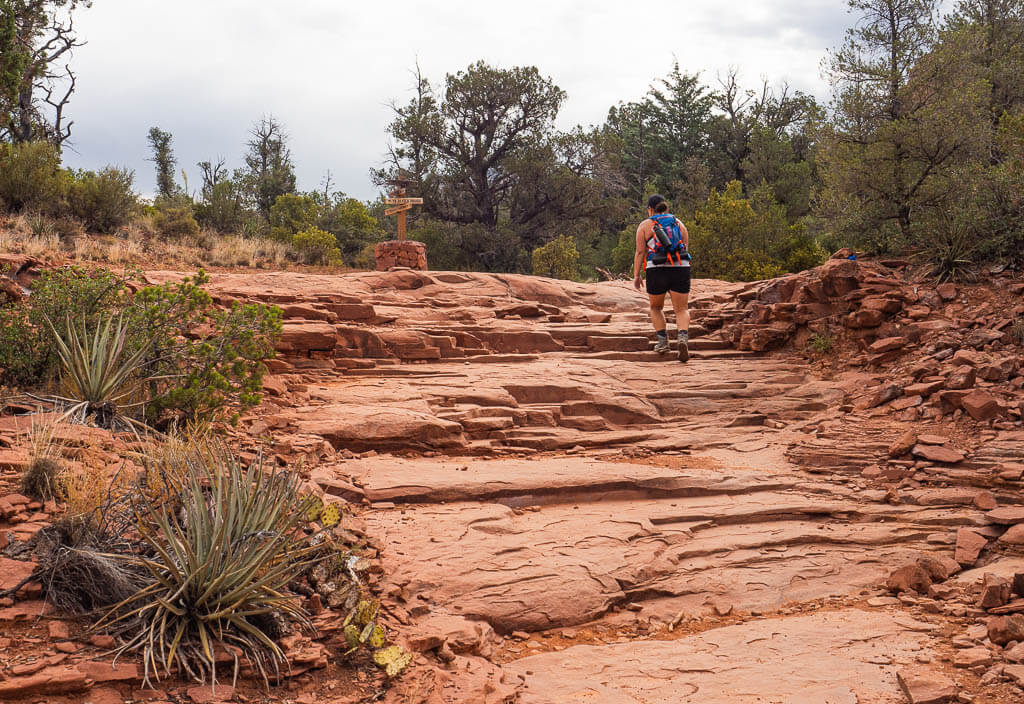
(136, 246)
(87, 489)
(234, 250)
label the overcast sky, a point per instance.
(205, 70)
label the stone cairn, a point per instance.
(404, 253)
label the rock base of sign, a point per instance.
(405, 253)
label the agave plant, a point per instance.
(220, 555)
(98, 370)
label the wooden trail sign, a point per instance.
(402, 203)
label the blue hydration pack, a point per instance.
(668, 247)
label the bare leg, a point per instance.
(658, 320)
(681, 303)
(658, 312)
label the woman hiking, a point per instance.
(662, 251)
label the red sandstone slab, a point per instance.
(826, 657)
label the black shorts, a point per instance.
(662, 279)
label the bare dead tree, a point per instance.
(46, 38)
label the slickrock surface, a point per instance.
(562, 515)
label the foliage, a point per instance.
(175, 221)
(821, 343)
(662, 133)
(290, 214)
(460, 247)
(199, 359)
(26, 343)
(104, 201)
(218, 558)
(899, 126)
(558, 259)
(37, 40)
(31, 177)
(97, 367)
(222, 207)
(740, 239)
(163, 158)
(218, 364)
(314, 246)
(1017, 332)
(349, 221)
(494, 172)
(269, 169)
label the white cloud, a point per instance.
(206, 69)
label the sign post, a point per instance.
(402, 204)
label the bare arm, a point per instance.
(638, 258)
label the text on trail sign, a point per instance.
(403, 201)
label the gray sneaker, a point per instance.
(684, 350)
(661, 346)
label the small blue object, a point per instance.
(852, 257)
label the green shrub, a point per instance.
(223, 208)
(197, 359)
(290, 215)
(558, 259)
(31, 177)
(314, 246)
(26, 342)
(740, 239)
(104, 200)
(218, 364)
(350, 222)
(175, 222)
(821, 343)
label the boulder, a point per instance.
(935, 453)
(926, 687)
(969, 545)
(924, 389)
(939, 567)
(903, 445)
(882, 395)
(962, 377)
(462, 635)
(1014, 536)
(865, 319)
(947, 291)
(301, 337)
(995, 591)
(981, 405)
(1003, 629)
(909, 578)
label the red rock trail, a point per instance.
(564, 516)
(540, 474)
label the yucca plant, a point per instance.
(220, 555)
(98, 370)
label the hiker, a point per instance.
(662, 251)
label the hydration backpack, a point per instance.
(668, 247)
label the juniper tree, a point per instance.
(163, 157)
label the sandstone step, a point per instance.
(670, 357)
(538, 481)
